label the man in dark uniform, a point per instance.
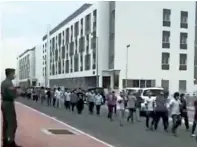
(9, 93)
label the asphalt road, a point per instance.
(130, 135)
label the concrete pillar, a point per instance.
(101, 80)
(112, 81)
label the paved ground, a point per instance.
(131, 135)
(33, 126)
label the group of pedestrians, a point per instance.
(155, 108)
(162, 107)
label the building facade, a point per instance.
(161, 39)
(26, 68)
(74, 45)
(138, 44)
(38, 68)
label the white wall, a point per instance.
(140, 25)
(38, 67)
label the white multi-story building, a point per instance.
(144, 43)
(26, 68)
(38, 68)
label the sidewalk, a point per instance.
(34, 131)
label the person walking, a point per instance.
(195, 119)
(53, 96)
(150, 104)
(98, 102)
(160, 111)
(58, 96)
(114, 102)
(109, 99)
(73, 100)
(174, 106)
(9, 94)
(49, 99)
(80, 104)
(91, 100)
(184, 113)
(121, 109)
(131, 103)
(67, 99)
(42, 95)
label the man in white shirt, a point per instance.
(58, 97)
(91, 100)
(150, 104)
(67, 99)
(174, 106)
(98, 102)
(120, 108)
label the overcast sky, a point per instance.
(23, 25)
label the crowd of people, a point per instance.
(154, 108)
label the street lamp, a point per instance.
(97, 75)
(126, 68)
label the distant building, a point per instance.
(160, 38)
(26, 68)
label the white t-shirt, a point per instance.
(149, 102)
(174, 106)
(67, 96)
(120, 106)
(98, 99)
(58, 94)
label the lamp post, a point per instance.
(97, 74)
(126, 68)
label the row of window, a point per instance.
(24, 74)
(70, 34)
(167, 18)
(166, 40)
(77, 63)
(146, 83)
(166, 61)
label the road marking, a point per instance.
(45, 131)
(63, 123)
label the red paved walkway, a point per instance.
(29, 132)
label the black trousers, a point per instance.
(73, 106)
(91, 107)
(29, 95)
(110, 111)
(194, 126)
(150, 115)
(164, 116)
(98, 108)
(54, 102)
(130, 116)
(184, 115)
(35, 98)
(176, 122)
(67, 105)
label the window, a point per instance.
(87, 62)
(165, 84)
(154, 92)
(166, 17)
(183, 40)
(166, 39)
(184, 19)
(165, 61)
(81, 60)
(182, 86)
(183, 62)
